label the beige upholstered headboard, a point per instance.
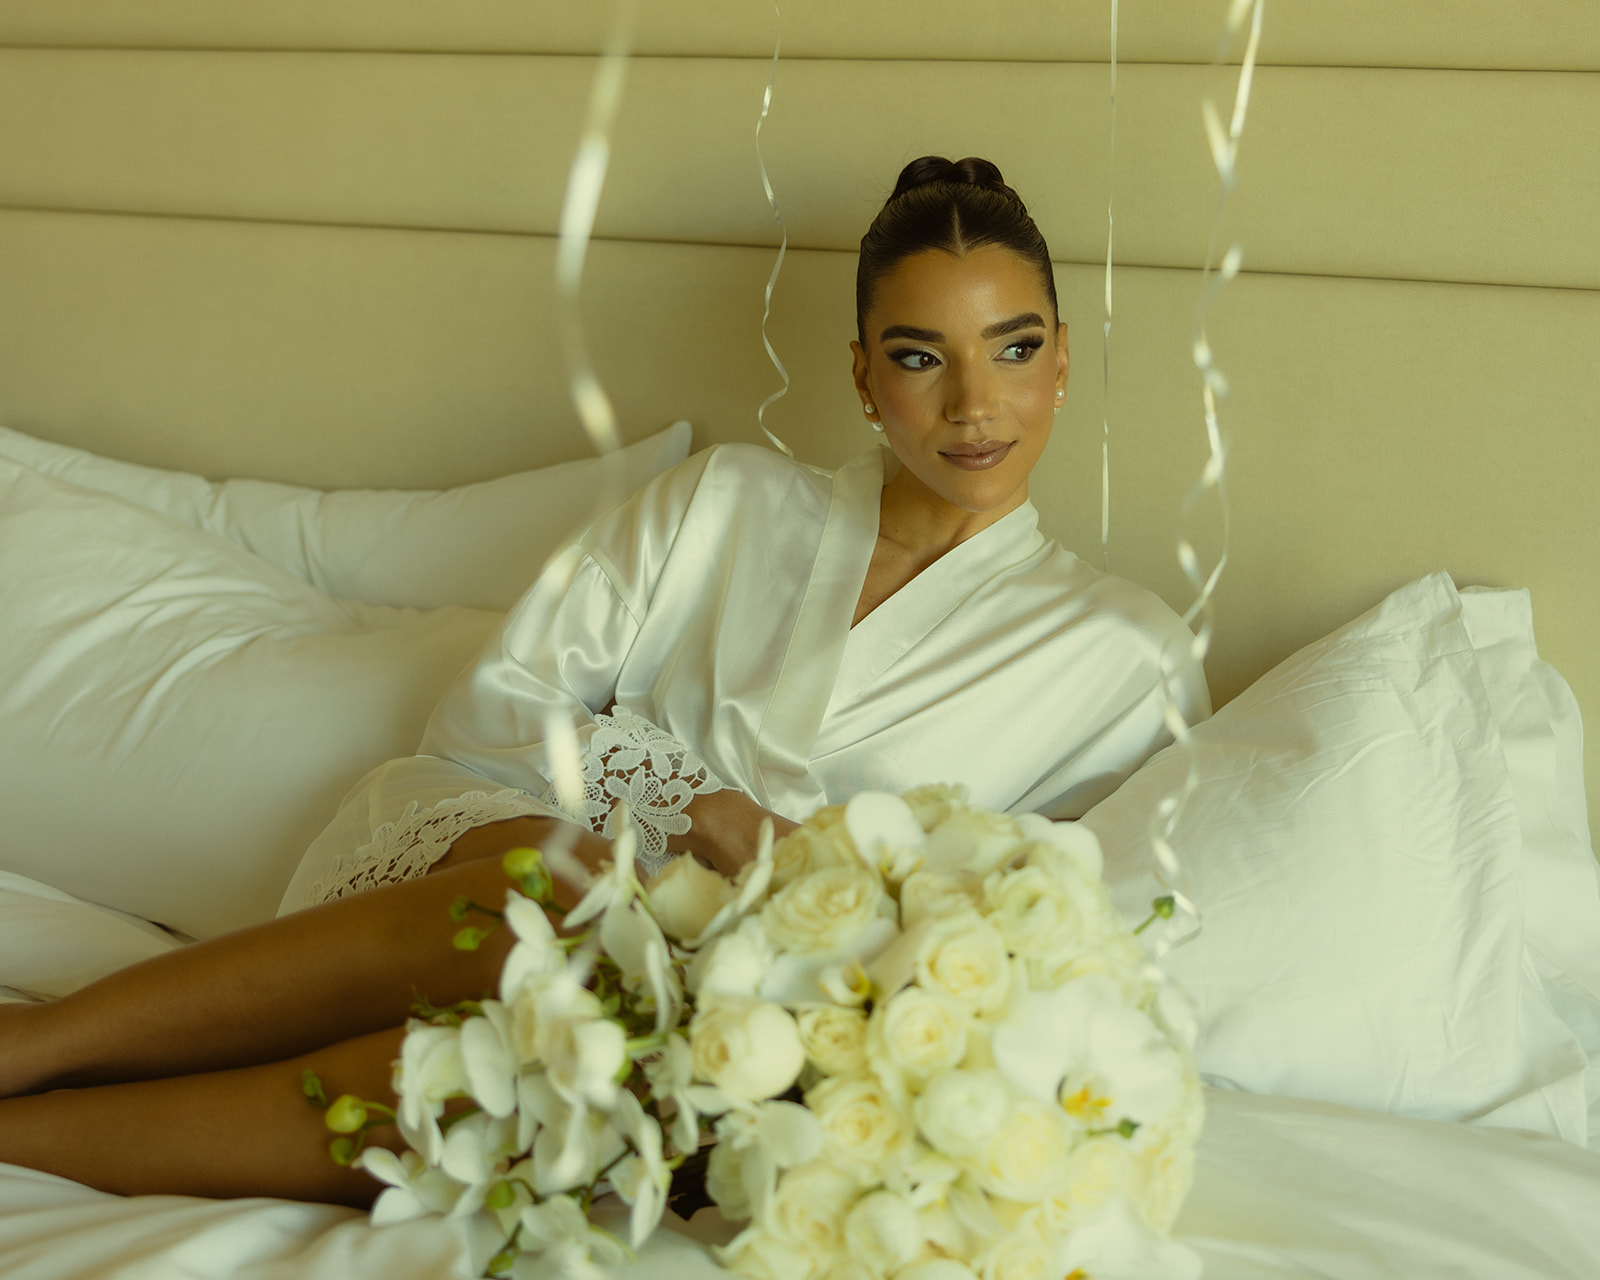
(312, 241)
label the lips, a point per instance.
(979, 456)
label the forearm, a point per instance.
(725, 829)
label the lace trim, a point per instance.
(405, 848)
(629, 759)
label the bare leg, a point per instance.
(279, 989)
(246, 1132)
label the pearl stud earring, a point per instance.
(868, 409)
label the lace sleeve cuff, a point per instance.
(630, 759)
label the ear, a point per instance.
(858, 371)
(1063, 359)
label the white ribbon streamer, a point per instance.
(1105, 345)
(783, 247)
(1224, 145)
(585, 181)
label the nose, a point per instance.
(970, 393)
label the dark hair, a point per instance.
(953, 205)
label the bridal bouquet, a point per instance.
(913, 1034)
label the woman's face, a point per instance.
(963, 365)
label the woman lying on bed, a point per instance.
(763, 637)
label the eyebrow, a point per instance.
(1027, 320)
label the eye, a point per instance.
(914, 358)
(1021, 351)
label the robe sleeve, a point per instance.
(535, 712)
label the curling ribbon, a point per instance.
(585, 181)
(1105, 344)
(1224, 145)
(783, 247)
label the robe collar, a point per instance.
(828, 660)
(904, 620)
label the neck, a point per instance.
(925, 525)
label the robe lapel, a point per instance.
(816, 645)
(904, 620)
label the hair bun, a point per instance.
(974, 171)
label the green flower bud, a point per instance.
(347, 1114)
(344, 1150)
(1164, 906)
(502, 1262)
(519, 864)
(1127, 1128)
(501, 1196)
(312, 1087)
(469, 939)
(460, 908)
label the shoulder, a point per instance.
(1131, 625)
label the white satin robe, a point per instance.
(716, 603)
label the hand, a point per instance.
(725, 829)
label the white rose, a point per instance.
(933, 802)
(965, 957)
(835, 1039)
(959, 1110)
(1029, 1251)
(810, 848)
(937, 1269)
(928, 895)
(1099, 1170)
(917, 1033)
(1072, 838)
(761, 1255)
(973, 840)
(1026, 1159)
(750, 1049)
(861, 1126)
(685, 895)
(810, 1204)
(823, 912)
(882, 1232)
(734, 964)
(1034, 914)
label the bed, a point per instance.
(286, 432)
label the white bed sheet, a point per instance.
(1284, 1188)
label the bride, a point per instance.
(745, 639)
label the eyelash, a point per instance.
(1028, 345)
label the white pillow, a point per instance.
(178, 718)
(479, 545)
(1354, 847)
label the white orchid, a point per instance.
(765, 1139)
(643, 1178)
(754, 879)
(537, 954)
(573, 1247)
(633, 940)
(430, 1071)
(671, 1078)
(1117, 1245)
(477, 1152)
(489, 1059)
(615, 887)
(886, 833)
(414, 1187)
